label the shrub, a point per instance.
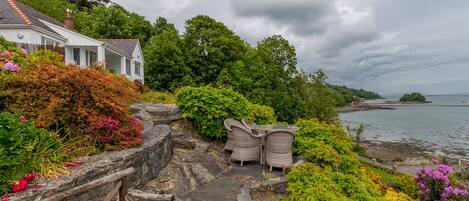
(436, 184)
(392, 195)
(311, 182)
(326, 144)
(25, 149)
(111, 134)
(68, 97)
(159, 97)
(208, 107)
(262, 114)
(46, 57)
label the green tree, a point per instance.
(209, 46)
(113, 22)
(165, 67)
(161, 25)
(83, 4)
(265, 76)
(318, 97)
(52, 8)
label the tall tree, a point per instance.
(318, 97)
(84, 4)
(52, 8)
(265, 76)
(161, 25)
(209, 46)
(165, 68)
(113, 22)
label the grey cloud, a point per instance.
(390, 46)
(304, 17)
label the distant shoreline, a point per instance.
(389, 105)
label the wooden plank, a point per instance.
(143, 196)
(114, 191)
(91, 185)
(123, 189)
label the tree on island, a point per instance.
(413, 97)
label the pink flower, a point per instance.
(23, 119)
(7, 55)
(24, 51)
(11, 67)
(5, 198)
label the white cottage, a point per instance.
(32, 29)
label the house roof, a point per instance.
(126, 45)
(14, 12)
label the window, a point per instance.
(90, 57)
(137, 68)
(128, 67)
(76, 56)
(48, 43)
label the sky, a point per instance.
(388, 46)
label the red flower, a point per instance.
(30, 177)
(19, 186)
(5, 198)
(23, 119)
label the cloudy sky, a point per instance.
(389, 46)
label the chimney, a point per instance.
(68, 21)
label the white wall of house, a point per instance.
(137, 72)
(28, 35)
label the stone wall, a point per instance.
(148, 159)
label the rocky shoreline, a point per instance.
(408, 156)
(355, 107)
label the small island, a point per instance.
(413, 97)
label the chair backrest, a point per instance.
(242, 137)
(250, 125)
(279, 141)
(229, 122)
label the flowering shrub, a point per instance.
(436, 184)
(25, 149)
(111, 134)
(68, 97)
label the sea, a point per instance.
(441, 126)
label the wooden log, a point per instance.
(124, 188)
(138, 195)
(91, 185)
(114, 191)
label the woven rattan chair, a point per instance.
(250, 125)
(278, 148)
(230, 143)
(247, 146)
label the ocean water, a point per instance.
(441, 126)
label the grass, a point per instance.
(159, 97)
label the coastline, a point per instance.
(406, 156)
(361, 106)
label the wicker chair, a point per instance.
(278, 150)
(249, 125)
(247, 146)
(230, 143)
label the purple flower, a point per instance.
(12, 67)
